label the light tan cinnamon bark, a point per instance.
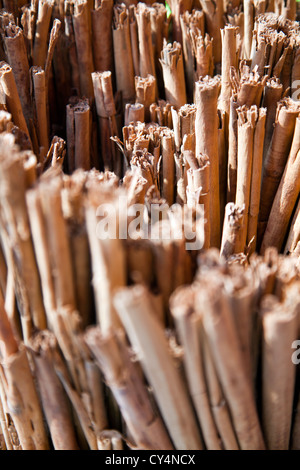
(257, 163)
(294, 233)
(278, 371)
(40, 45)
(168, 166)
(14, 210)
(285, 198)
(12, 99)
(160, 30)
(145, 91)
(17, 59)
(54, 400)
(71, 46)
(272, 94)
(58, 242)
(81, 22)
(199, 180)
(206, 125)
(147, 336)
(146, 53)
(218, 403)
(192, 25)
(188, 328)
(246, 124)
(84, 420)
(134, 113)
(73, 212)
(123, 54)
(106, 112)
(134, 39)
(286, 114)
(54, 36)
(213, 12)
(39, 237)
(79, 135)
(108, 259)
(184, 125)
(19, 389)
(229, 59)
(178, 8)
(223, 160)
(101, 18)
(40, 109)
(247, 90)
(112, 356)
(203, 55)
(223, 340)
(232, 230)
(232, 150)
(248, 27)
(173, 74)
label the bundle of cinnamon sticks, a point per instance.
(149, 225)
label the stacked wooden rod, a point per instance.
(149, 225)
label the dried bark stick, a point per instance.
(286, 197)
(257, 164)
(106, 113)
(294, 233)
(123, 54)
(146, 335)
(40, 44)
(187, 324)
(108, 264)
(20, 391)
(145, 90)
(54, 400)
(246, 123)
(12, 99)
(40, 108)
(172, 66)
(81, 23)
(232, 230)
(129, 390)
(278, 370)
(17, 58)
(206, 96)
(216, 320)
(101, 18)
(276, 159)
(79, 135)
(218, 403)
(14, 212)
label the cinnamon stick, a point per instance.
(40, 108)
(81, 23)
(232, 230)
(40, 44)
(12, 99)
(123, 53)
(101, 18)
(275, 162)
(216, 320)
(285, 198)
(206, 96)
(112, 357)
(54, 401)
(172, 66)
(17, 59)
(278, 370)
(147, 335)
(294, 233)
(187, 325)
